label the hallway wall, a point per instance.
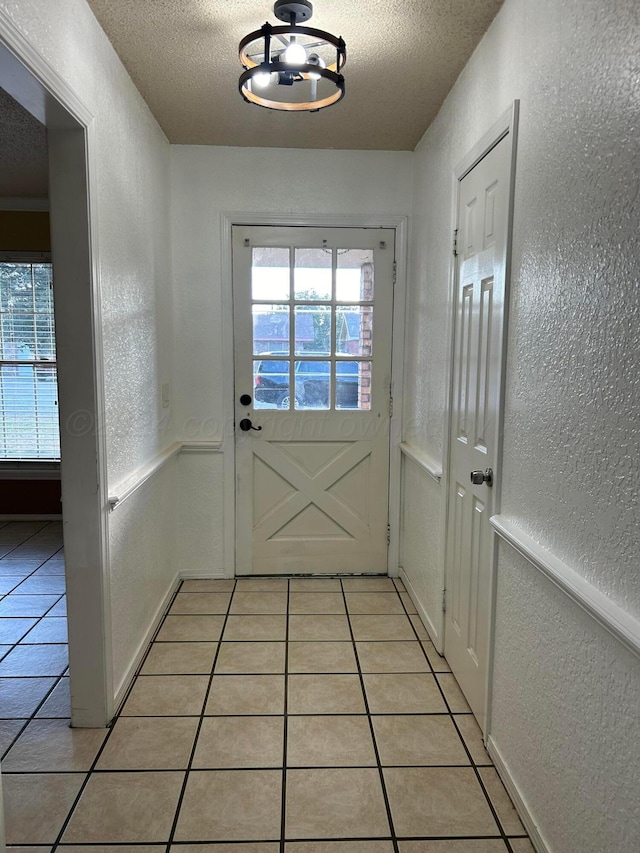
(566, 694)
(207, 182)
(130, 157)
(570, 467)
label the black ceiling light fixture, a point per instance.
(293, 68)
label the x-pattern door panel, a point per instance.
(308, 489)
(312, 329)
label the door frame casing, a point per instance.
(505, 126)
(30, 80)
(400, 225)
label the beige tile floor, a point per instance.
(292, 715)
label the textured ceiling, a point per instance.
(403, 56)
(23, 152)
(402, 59)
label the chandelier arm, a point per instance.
(286, 106)
(336, 41)
(267, 46)
(277, 67)
(278, 51)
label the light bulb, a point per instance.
(262, 79)
(295, 54)
(314, 59)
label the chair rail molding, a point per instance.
(622, 625)
(422, 461)
(127, 487)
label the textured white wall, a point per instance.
(420, 542)
(207, 182)
(566, 715)
(201, 515)
(572, 442)
(131, 209)
(143, 563)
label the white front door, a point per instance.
(475, 419)
(312, 332)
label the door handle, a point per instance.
(245, 425)
(479, 477)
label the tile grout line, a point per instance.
(482, 786)
(35, 533)
(20, 732)
(283, 840)
(188, 769)
(221, 767)
(31, 717)
(110, 728)
(38, 707)
(38, 619)
(29, 559)
(283, 807)
(383, 785)
(464, 745)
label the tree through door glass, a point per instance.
(313, 322)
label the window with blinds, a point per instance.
(28, 378)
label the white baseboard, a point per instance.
(517, 799)
(132, 669)
(216, 575)
(434, 634)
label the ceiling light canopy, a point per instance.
(293, 68)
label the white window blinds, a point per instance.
(28, 379)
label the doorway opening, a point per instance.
(27, 78)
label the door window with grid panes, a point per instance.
(312, 327)
(29, 427)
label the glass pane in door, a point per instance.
(353, 385)
(313, 329)
(270, 276)
(312, 274)
(270, 329)
(313, 384)
(271, 384)
(354, 275)
(354, 330)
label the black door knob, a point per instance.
(245, 400)
(246, 425)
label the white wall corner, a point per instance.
(517, 798)
(132, 669)
(434, 631)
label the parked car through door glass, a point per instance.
(314, 386)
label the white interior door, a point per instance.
(475, 419)
(312, 333)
